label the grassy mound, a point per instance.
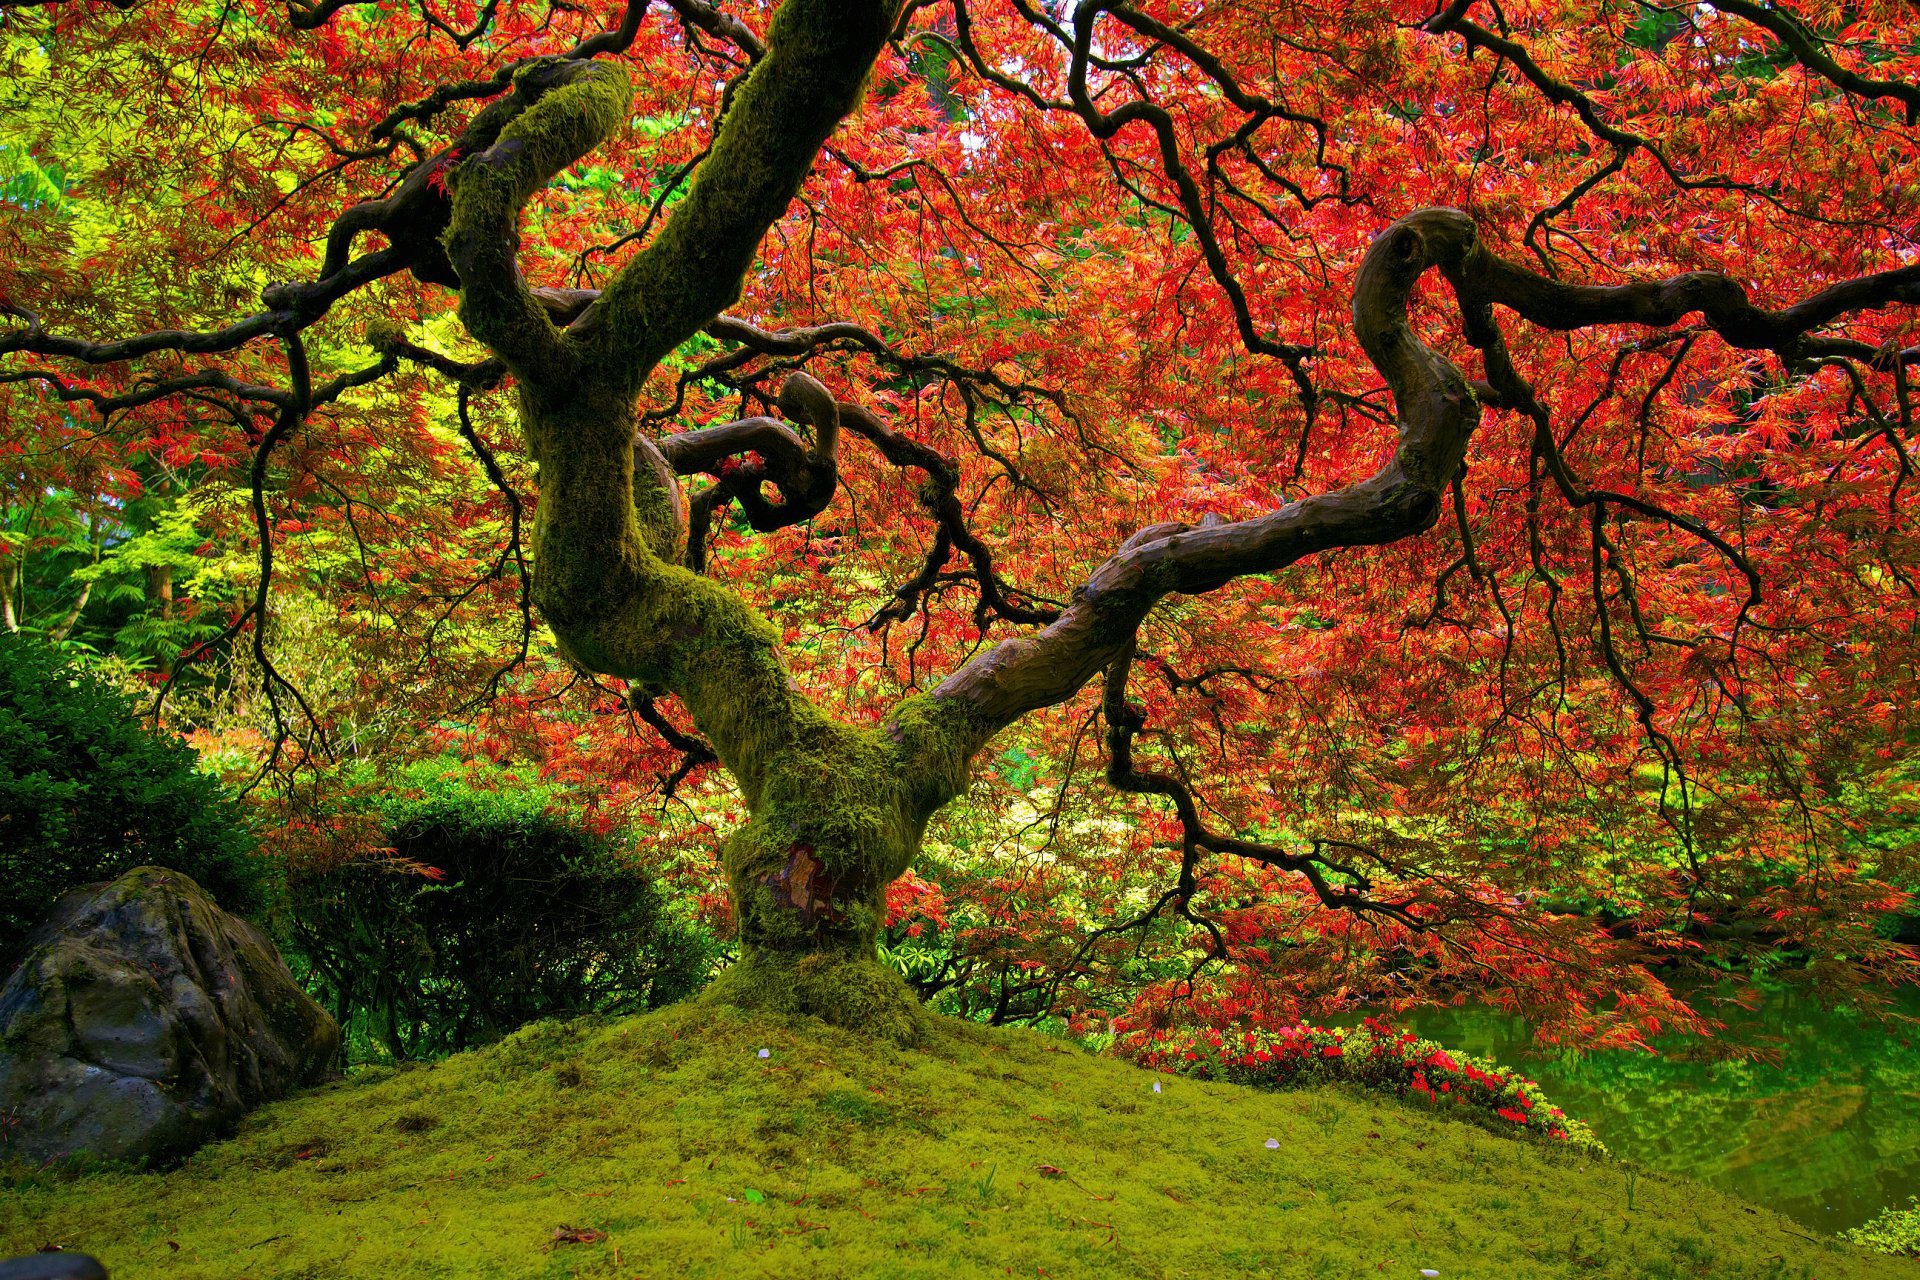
(666, 1145)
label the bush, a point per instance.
(87, 792)
(1895, 1231)
(496, 908)
(1373, 1056)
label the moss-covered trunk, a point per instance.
(837, 814)
(836, 811)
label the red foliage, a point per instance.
(1584, 750)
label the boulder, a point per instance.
(52, 1266)
(144, 1021)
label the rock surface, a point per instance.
(52, 1266)
(144, 1021)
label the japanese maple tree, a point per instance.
(1455, 463)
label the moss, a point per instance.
(842, 990)
(974, 1153)
(936, 738)
(579, 105)
(819, 54)
(659, 507)
(383, 334)
(831, 826)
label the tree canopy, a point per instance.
(1448, 468)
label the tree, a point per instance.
(1078, 274)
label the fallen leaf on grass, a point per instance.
(577, 1235)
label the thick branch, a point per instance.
(1811, 52)
(614, 41)
(806, 475)
(1438, 411)
(582, 105)
(1722, 301)
(811, 77)
(1437, 415)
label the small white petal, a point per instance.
(1273, 1144)
(1156, 1086)
(765, 1053)
(1428, 1271)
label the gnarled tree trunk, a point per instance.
(834, 812)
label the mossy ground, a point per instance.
(976, 1153)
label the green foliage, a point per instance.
(30, 185)
(1897, 1231)
(1802, 1113)
(497, 908)
(158, 550)
(134, 579)
(87, 792)
(666, 1145)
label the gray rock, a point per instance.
(144, 1021)
(52, 1266)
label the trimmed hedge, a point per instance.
(496, 908)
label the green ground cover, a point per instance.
(665, 1145)
(1823, 1124)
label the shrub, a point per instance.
(87, 792)
(495, 908)
(1375, 1056)
(1895, 1231)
